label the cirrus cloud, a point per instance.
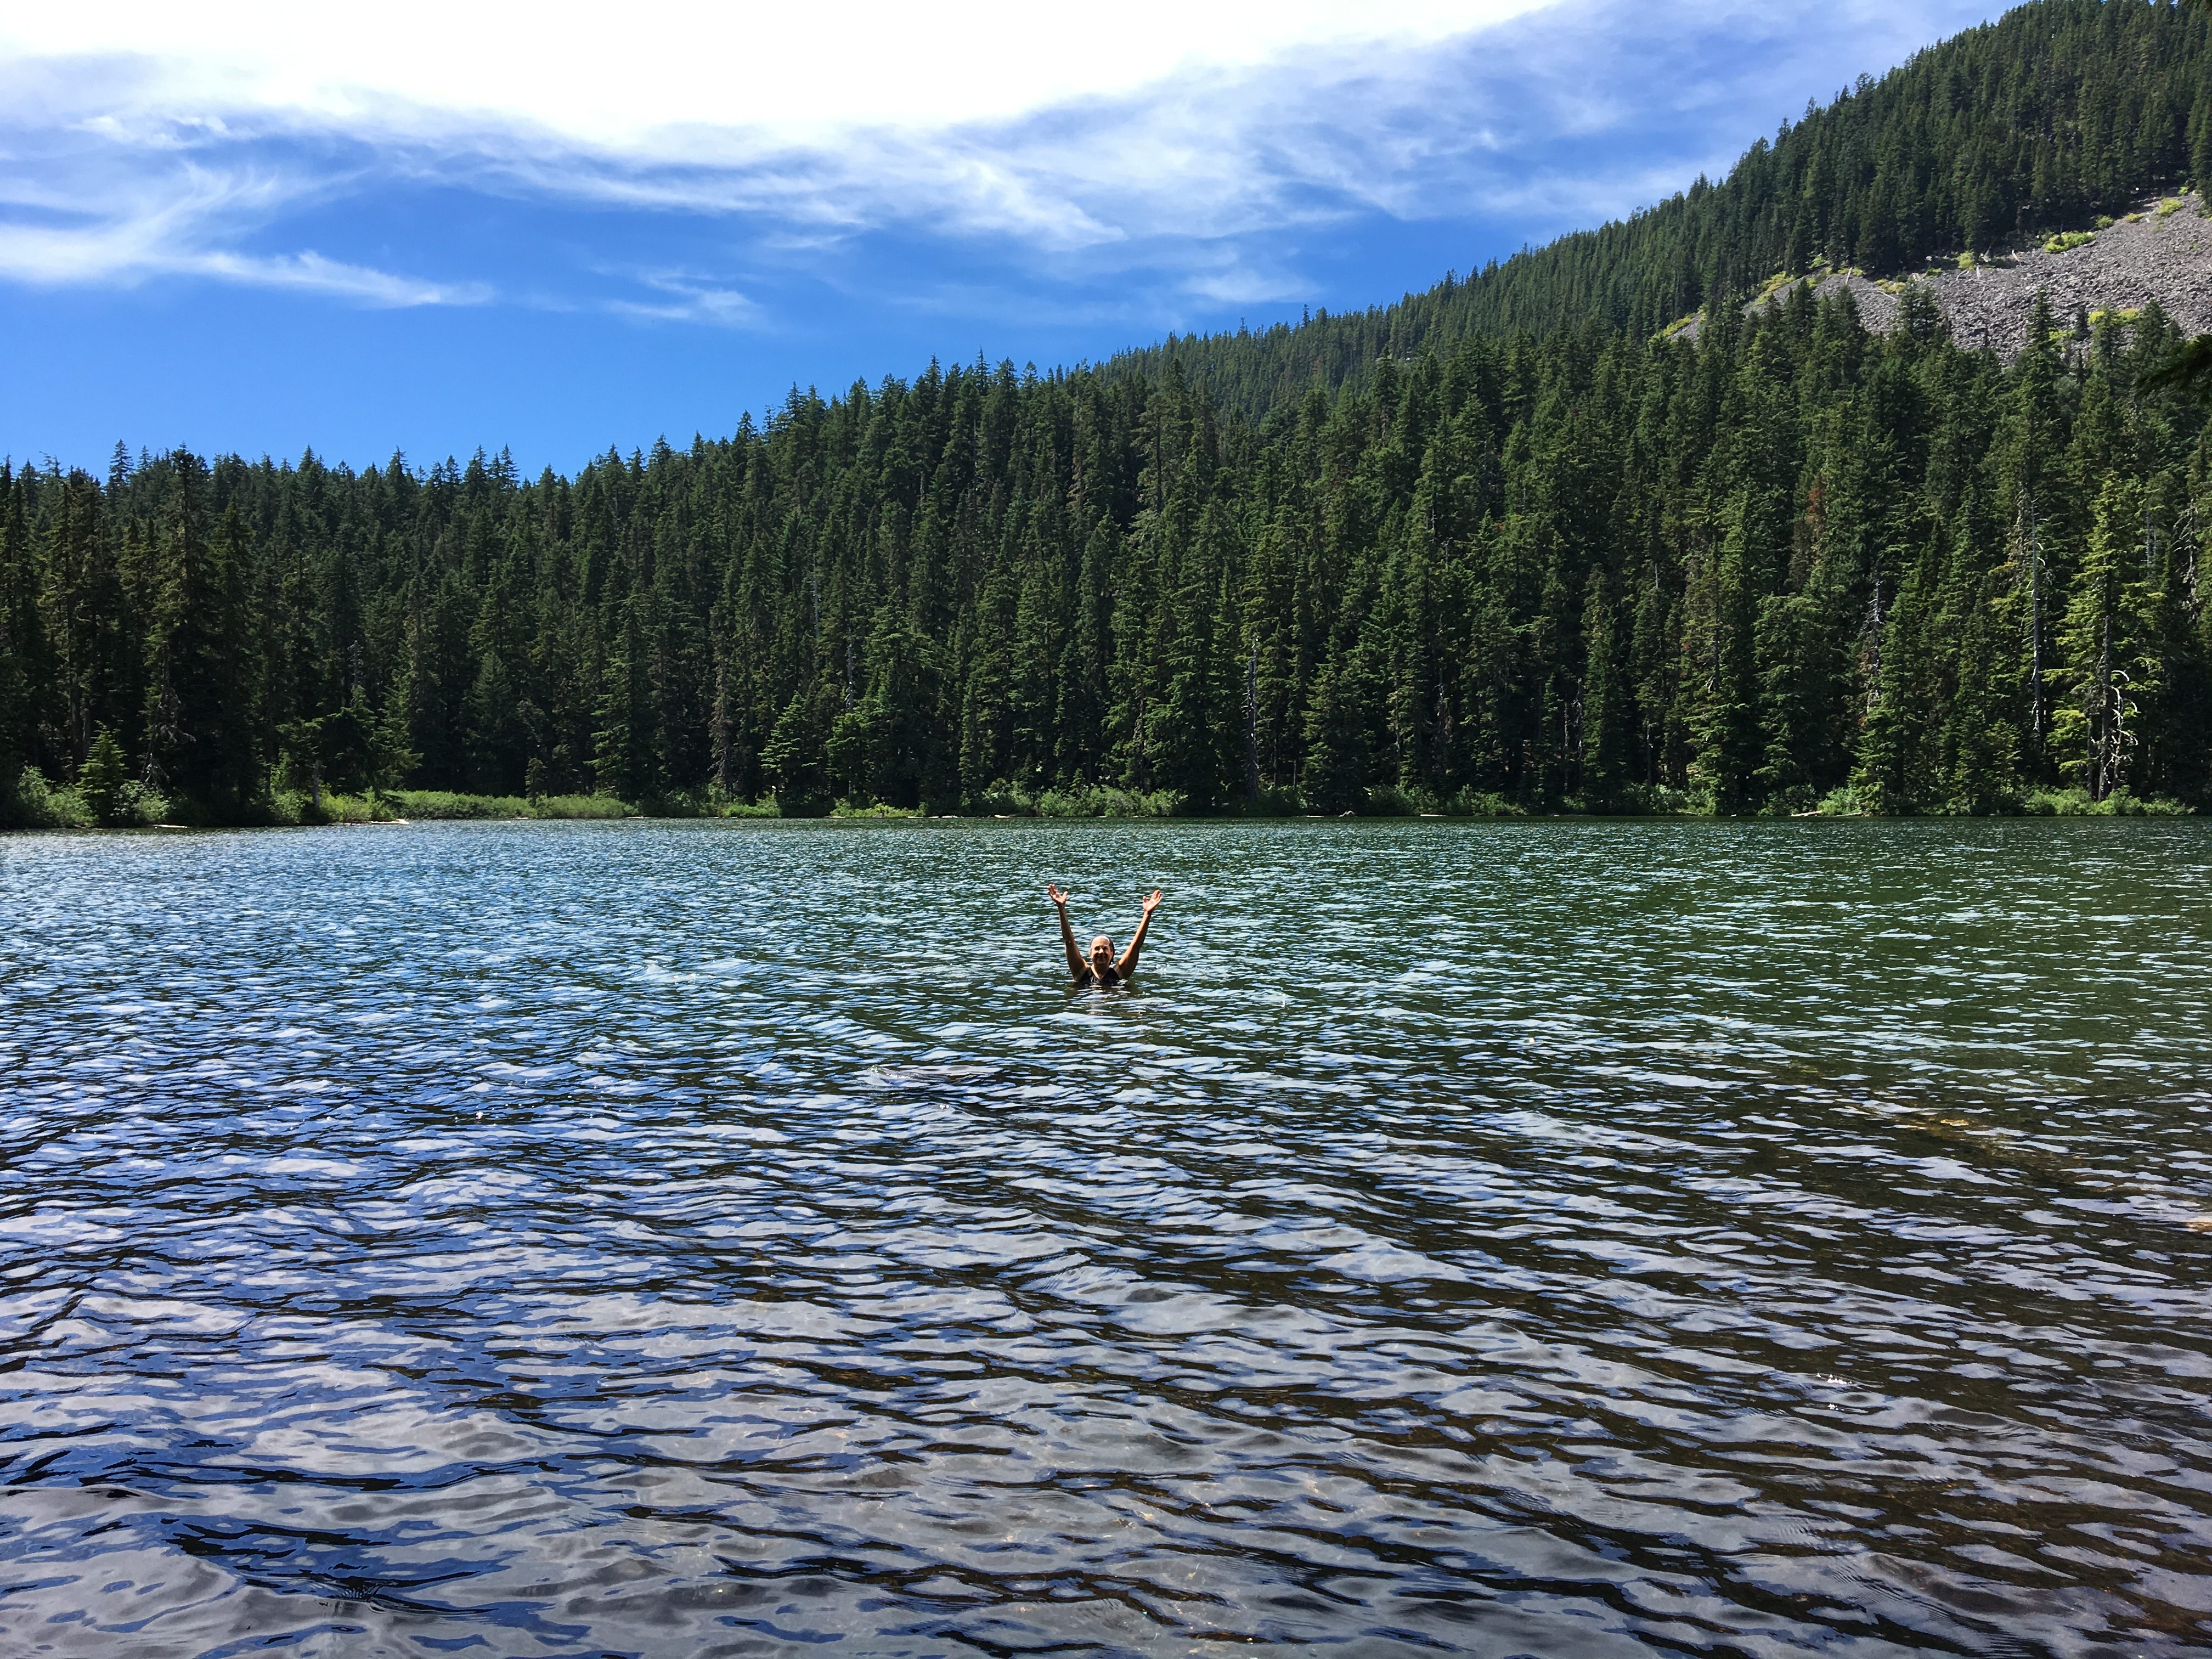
(1068, 149)
(470, 219)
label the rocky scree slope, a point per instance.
(2161, 252)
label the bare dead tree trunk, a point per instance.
(1252, 722)
(2100, 732)
(2034, 625)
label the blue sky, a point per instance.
(257, 227)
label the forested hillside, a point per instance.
(1788, 564)
(1579, 571)
(2061, 111)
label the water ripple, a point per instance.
(703, 1239)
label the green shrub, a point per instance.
(29, 802)
(136, 806)
(1084, 800)
(1276, 803)
(102, 778)
(357, 809)
(110, 798)
(1848, 802)
(2122, 803)
(293, 808)
(2076, 803)
(445, 804)
(1006, 800)
(1469, 802)
(1388, 801)
(1102, 801)
(580, 806)
(706, 802)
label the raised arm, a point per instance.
(1127, 965)
(1075, 962)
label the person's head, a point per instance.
(1102, 952)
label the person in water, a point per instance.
(1100, 968)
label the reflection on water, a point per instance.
(701, 1239)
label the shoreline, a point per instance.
(2159, 811)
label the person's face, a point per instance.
(1102, 952)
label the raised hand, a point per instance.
(1075, 964)
(1127, 965)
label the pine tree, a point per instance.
(103, 779)
(202, 714)
(623, 761)
(18, 695)
(2174, 691)
(1340, 757)
(1732, 742)
(796, 758)
(1197, 750)
(1607, 701)
(1898, 771)
(2104, 671)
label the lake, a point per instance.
(715, 1238)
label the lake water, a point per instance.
(688, 1239)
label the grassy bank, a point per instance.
(30, 802)
(446, 804)
(2077, 803)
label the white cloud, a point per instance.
(312, 272)
(689, 296)
(618, 80)
(185, 220)
(164, 141)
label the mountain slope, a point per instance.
(2159, 255)
(2060, 111)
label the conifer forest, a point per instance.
(1509, 546)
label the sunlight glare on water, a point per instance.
(688, 1239)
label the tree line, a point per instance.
(2058, 111)
(1787, 564)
